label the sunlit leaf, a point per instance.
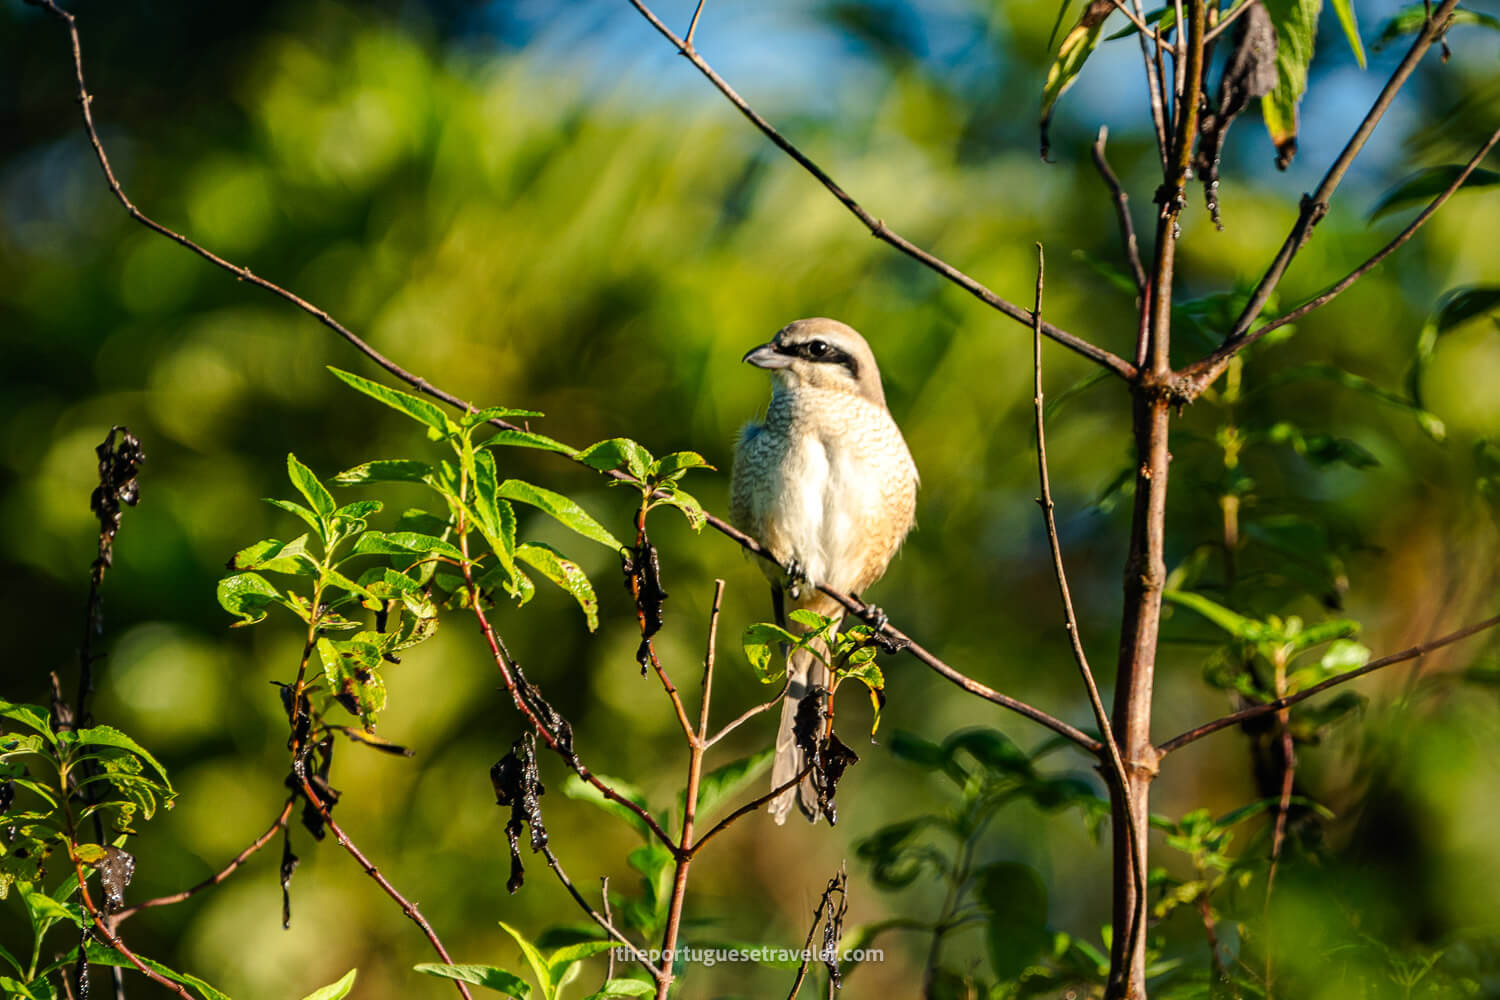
(335, 991)
(1076, 46)
(566, 574)
(398, 470)
(614, 453)
(568, 513)
(418, 409)
(1296, 24)
(487, 976)
(1345, 10)
(310, 487)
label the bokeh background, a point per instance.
(541, 205)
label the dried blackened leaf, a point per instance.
(312, 815)
(833, 925)
(642, 569)
(7, 795)
(289, 863)
(371, 740)
(830, 757)
(115, 872)
(118, 465)
(1251, 72)
(517, 783)
(550, 718)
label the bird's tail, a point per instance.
(805, 672)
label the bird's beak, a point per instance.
(767, 356)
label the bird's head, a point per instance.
(821, 354)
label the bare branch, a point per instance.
(215, 879)
(877, 227)
(1202, 373)
(1122, 211)
(1315, 206)
(603, 919)
(747, 715)
(1153, 86)
(1256, 711)
(1070, 620)
(687, 41)
(749, 807)
(1233, 15)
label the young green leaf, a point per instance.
(335, 991)
(272, 556)
(562, 964)
(31, 716)
(398, 470)
(617, 988)
(615, 452)
(108, 736)
(487, 976)
(415, 407)
(101, 954)
(685, 502)
(352, 668)
(476, 417)
(528, 439)
(1345, 10)
(868, 674)
(402, 543)
(565, 511)
(535, 959)
(757, 641)
(308, 485)
(675, 465)
(717, 785)
(249, 595)
(308, 517)
(566, 574)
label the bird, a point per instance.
(827, 485)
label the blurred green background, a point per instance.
(541, 205)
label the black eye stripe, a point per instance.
(830, 355)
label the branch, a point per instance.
(1070, 619)
(1315, 206)
(749, 807)
(600, 919)
(1256, 711)
(212, 880)
(1122, 211)
(1204, 372)
(877, 227)
(1114, 364)
(112, 939)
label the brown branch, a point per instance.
(1122, 211)
(407, 906)
(1233, 16)
(602, 920)
(1266, 708)
(101, 924)
(749, 807)
(1315, 206)
(215, 879)
(1153, 91)
(1204, 372)
(85, 100)
(835, 884)
(747, 715)
(1070, 620)
(877, 227)
(422, 385)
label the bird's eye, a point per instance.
(817, 349)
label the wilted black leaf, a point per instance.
(517, 784)
(1251, 72)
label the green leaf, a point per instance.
(562, 964)
(1345, 10)
(396, 470)
(1016, 900)
(1410, 19)
(528, 439)
(248, 595)
(108, 736)
(722, 782)
(757, 641)
(308, 517)
(1425, 185)
(402, 543)
(614, 988)
(535, 959)
(673, 466)
(576, 788)
(566, 574)
(495, 518)
(1076, 47)
(1463, 304)
(272, 556)
(487, 976)
(916, 750)
(476, 417)
(995, 751)
(100, 954)
(31, 716)
(565, 511)
(868, 674)
(335, 991)
(352, 668)
(1296, 24)
(1344, 654)
(615, 452)
(308, 485)
(1429, 423)
(685, 502)
(415, 407)
(1237, 625)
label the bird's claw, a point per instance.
(796, 576)
(874, 617)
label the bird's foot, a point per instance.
(796, 577)
(874, 617)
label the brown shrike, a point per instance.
(826, 484)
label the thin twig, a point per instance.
(835, 884)
(1315, 206)
(1122, 211)
(747, 715)
(1230, 18)
(1153, 90)
(112, 939)
(1204, 372)
(1130, 15)
(215, 879)
(1256, 711)
(609, 969)
(687, 40)
(749, 807)
(1070, 620)
(877, 227)
(602, 920)
(407, 906)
